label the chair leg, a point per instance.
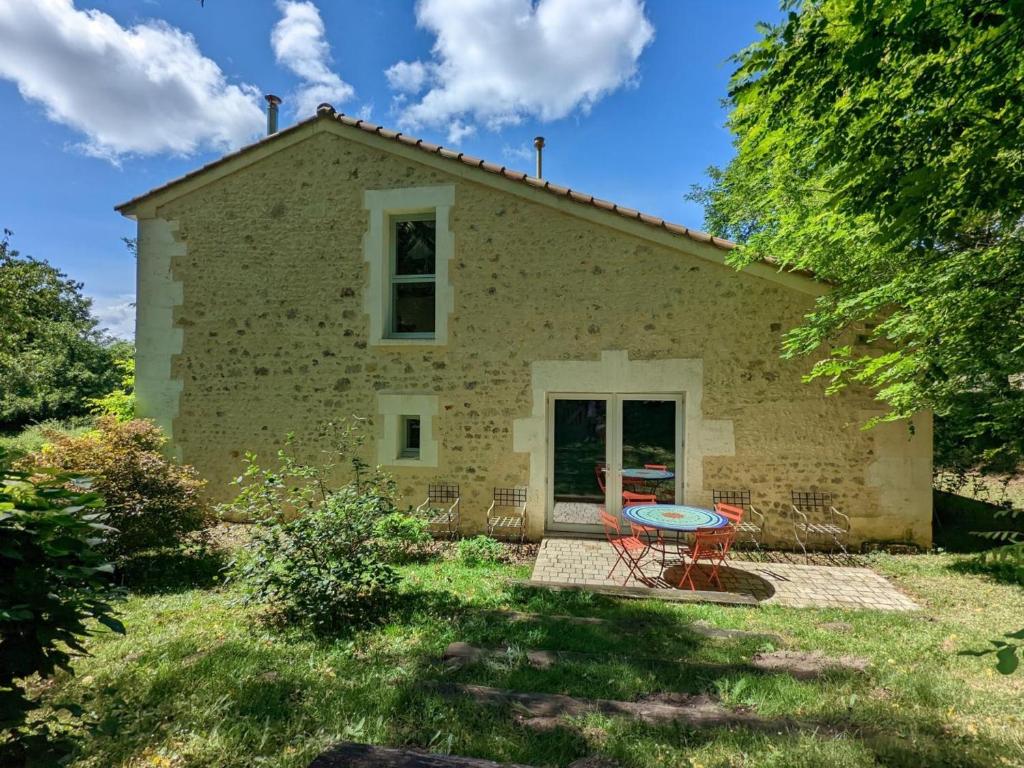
(687, 577)
(804, 548)
(618, 560)
(713, 578)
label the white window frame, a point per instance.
(394, 408)
(396, 279)
(384, 207)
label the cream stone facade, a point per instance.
(262, 294)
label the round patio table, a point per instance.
(681, 518)
(650, 480)
(655, 475)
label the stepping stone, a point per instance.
(693, 710)
(807, 665)
(797, 664)
(645, 593)
(700, 628)
(348, 754)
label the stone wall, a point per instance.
(276, 336)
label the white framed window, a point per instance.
(410, 438)
(408, 246)
(406, 436)
(412, 310)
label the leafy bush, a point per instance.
(402, 536)
(120, 401)
(324, 567)
(53, 578)
(33, 438)
(480, 550)
(316, 556)
(151, 500)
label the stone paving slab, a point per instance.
(588, 561)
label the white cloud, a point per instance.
(407, 76)
(116, 314)
(496, 62)
(523, 152)
(458, 130)
(299, 44)
(143, 90)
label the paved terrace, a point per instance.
(583, 562)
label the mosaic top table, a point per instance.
(681, 518)
(655, 475)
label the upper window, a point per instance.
(413, 276)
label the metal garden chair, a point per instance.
(815, 518)
(442, 509)
(508, 513)
(750, 529)
(629, 548)
(710, 545)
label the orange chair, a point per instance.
(628, 497)
(662, 467)
(630, 549)
(710, 545)
(731, 512)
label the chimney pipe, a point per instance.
(272, 102)
(538, 143)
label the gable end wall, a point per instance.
(275, 338)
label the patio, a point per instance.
(583, 562)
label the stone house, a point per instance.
(494, 330)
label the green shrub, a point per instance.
(480, 550)
(152, 501)
(317, 557)
(33, 438)
(120, 401)
(323, 568)
(53, 579)
(402, 536)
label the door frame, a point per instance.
(613, 451)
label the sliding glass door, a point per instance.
(607, 450)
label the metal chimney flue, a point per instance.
(538, 144)
(272, 104)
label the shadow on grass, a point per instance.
(172, 570)
(243, 698)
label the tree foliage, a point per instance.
(878, 144)
(52, 357)
(54, 579)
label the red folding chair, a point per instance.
(662, 467)
(731, 512)
(629, 548)
(710, 545)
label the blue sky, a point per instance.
(627, 93)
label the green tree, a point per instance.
(878, 144)
(52, 357)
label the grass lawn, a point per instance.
(198, 681)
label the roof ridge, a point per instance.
(326, 110)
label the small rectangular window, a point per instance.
(410, 442)
(413, 280)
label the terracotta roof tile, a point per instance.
(325, 112)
